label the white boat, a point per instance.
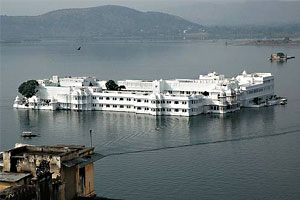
(272, 102)
(28, 134)
(283, 101)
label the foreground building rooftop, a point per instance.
(64, 171)
(12, 177)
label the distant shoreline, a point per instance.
(272, 42)
(229, 42)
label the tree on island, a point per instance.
(111, 85)
(28, 88)
(122, 87)
(205, 93)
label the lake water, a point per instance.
(249, 154)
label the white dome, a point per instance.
(159, 96)
(229, 92)
(87, 91)
(75, 93)
(33, 99)
(222, 94)
(152, 96)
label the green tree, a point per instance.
(205, 93)
(111, 85)
(28, 88)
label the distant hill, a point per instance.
(103, 21)
(229, 13)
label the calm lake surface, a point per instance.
(249, 154)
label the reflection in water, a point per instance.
(117, 132)
(279, 63)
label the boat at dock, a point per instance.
(276, 101)
(283, 101)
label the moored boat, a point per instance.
(283, 101)
(28, 134)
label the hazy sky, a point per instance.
(36, 7)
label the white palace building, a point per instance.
(211, 93)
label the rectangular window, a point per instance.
(107, 98)
(169, 102)
(114, 98)
(121, 106)
(128, 106)
(176, 102)
(128, 99)
(139, 100)
(115, 106)
(121, 99)
(176, 110)
(107, 106)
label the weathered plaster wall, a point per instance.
(70, 181)
(89, 180)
